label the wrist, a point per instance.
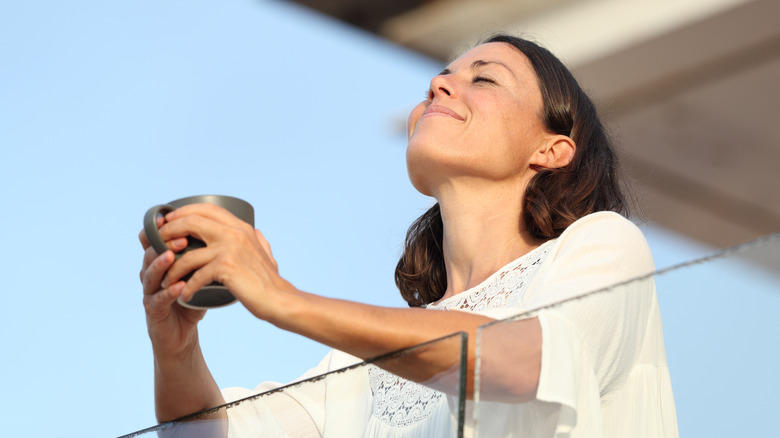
(166, 357)
(283, 308)
(272, 303)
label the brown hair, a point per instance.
(554, 198)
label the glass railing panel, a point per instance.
(720, 328)
(364, 399)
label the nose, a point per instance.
(441, 86)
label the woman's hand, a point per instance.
(235, 255)
(172, 328)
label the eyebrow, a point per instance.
(480, 63)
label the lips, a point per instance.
(438, 110)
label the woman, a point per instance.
(527, 191)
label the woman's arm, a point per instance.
(367, 331)
(183, 385)
(241, 259)
(182, 381)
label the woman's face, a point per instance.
(481, 119)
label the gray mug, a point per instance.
(215, 294)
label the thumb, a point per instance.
(266, 247)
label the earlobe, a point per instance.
(557, 152)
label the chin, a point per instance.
(420, 170)
(426, 172)
(418, 179)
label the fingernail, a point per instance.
(164, 283)
(181, 294)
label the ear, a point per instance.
(557, 152)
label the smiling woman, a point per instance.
(526, 216)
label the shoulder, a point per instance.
(598, 250)
(602, 233)
(606, 225)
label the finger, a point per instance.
(211, 211)
(189, 262)
(142, 234)
(143, 239)
(205, 275)
(149, 256)
(177, 244)
(197, 226)
(158, 305)
(150, 253)
(153, 274)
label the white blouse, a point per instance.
(603, 374)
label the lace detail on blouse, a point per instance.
(398, 402)
(502, 289)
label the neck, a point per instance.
(483, 231)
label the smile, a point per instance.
(437, 110)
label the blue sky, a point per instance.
(107, 108)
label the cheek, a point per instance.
(414, 116)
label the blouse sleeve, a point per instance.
(600, 273)
(594, 320)
(295, 411)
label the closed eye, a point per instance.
(483, 79)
